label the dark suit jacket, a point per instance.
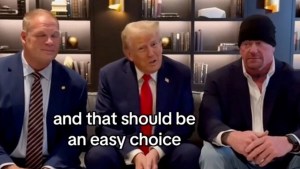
(69, 101)
(226, 102)
(118, 92)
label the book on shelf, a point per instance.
(296, 41)
(78, 8)
(228, 47)
(70, 8)
(200, 72)
(21, 7)
(236, 9)
(180, 41)
(83, 68)
(198, 39)
(8, 11)
(151, 8)
(59, 8)
(169, 15)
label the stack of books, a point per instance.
(59, 8)
(169, 15)
(8, 11)
(228, 47)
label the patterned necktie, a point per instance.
(34, 152)
(146, 108)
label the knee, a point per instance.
(209, 153)
(188, 151)
(102, 156)
(185, 156)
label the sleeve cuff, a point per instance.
(160, 151)
(129, 157)
(47, 167)
(217, 141)
(5, 164)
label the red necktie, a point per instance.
(146, 108)
(34, 151)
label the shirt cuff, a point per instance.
(129, 157)
(6, 164)
(218, 141)
(161, 153)
(47, 167)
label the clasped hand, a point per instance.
(149, 161)
(259, 148)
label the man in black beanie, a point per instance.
(250, 113)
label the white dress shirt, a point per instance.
(256, 102)
(152, 82)
(20, 150)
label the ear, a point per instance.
(127, 53)
(23, 37)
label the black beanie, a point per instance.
(257, 27)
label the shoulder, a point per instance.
(175, 66)
(116, 65)
(232, 69)
(117, 68)
(67, 73)
(10, 58)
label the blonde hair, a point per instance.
(34, 13)
(136, 29)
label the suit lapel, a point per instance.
(240, 87)
(270, 95)
(132, 97)
(58, 94)
(16, 80)
(163, 88)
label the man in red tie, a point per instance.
(145, 83)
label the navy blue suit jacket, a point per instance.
(119, 93)
(71, 101)
(226, 102)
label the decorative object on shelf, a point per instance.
(117, 5)
(272, 5)
(68, 62)
(72, 42)
(3, 47)
(166, 42)
(212, 12)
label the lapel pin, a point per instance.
(167, 80)
(63, 87)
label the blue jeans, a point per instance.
(213, 157)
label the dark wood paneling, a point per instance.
(106, 33)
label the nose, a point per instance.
(49, 40)
(150, 51)
(253, 48)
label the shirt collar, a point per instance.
(140, 74)
(27, 70)
(269, 74)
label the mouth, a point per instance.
(48, 50)
(152, 62)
